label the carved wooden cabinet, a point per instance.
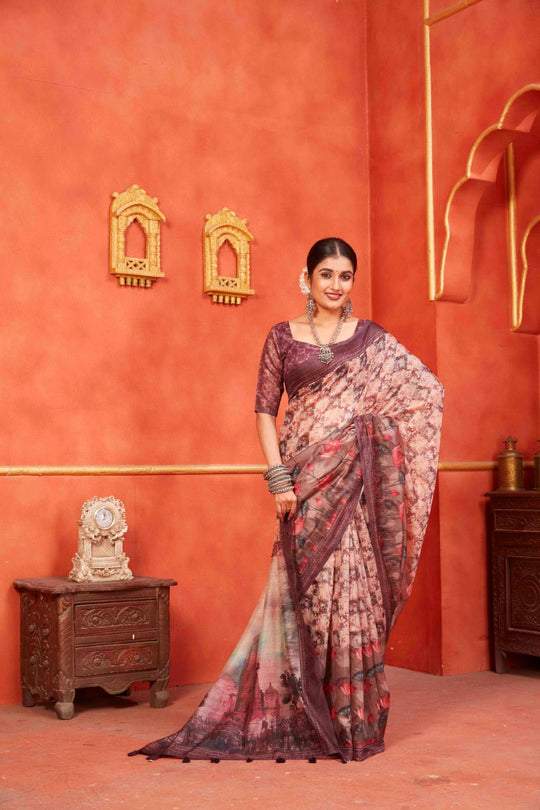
(107, 634)
(514, 529)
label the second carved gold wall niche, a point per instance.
(135, 204)
(219, 228)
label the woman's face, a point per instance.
(332, 282)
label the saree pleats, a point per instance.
(343, 612)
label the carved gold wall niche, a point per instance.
(453, 280)
(524, 281)
(135, 204)
(219, 228)
(450, 278)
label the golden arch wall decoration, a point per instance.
(452, 283)
(135, 204)
(450, 280)
(219, 228)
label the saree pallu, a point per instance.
(360, 437)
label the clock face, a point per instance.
(104, 518)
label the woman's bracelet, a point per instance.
(271, 471)
(275, 490)
(279, 479)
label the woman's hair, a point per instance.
(324, 248)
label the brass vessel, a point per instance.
(510, 466)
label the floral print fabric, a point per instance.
(361, 440)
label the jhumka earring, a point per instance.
(304, 289)
(348, 308)
(310, 305)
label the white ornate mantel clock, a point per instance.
(100, 556)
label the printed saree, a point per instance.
(361, 438)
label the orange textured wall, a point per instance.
(479, 58)
(263, 108)
(259, 107)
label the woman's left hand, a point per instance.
(285, 504)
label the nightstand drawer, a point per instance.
(115, 658)
(114, 617)
(512, 520)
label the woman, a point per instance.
(352, 476)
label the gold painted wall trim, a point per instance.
(219, 228)
(527, 322)
(432, 276)
(138, 469)
(449, 12)
(135, 204)
(429, 21)
(205, 469)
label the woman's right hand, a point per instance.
(285, 504)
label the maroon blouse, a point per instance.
(286, 362)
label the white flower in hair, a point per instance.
(304, 289)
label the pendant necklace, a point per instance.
(326, 355)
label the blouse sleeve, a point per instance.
(270, 379)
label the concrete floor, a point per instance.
(468, 741)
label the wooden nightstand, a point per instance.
(107, 634)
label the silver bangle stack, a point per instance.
(278, 478)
